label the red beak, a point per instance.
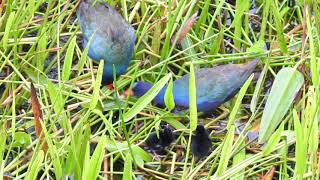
(128, 92)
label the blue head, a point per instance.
(140, 88)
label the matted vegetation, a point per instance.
(87, 131)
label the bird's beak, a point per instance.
(128, 92)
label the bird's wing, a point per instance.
(214, 85)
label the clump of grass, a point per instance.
(91, 133)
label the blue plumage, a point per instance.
(214, 86)
(112, 40)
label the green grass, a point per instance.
(40, 41)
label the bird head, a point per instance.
(138, 89)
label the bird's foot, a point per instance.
(155, 156)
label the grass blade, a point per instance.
(35, 165)
(144, 100)
(7, 30)
(258, 88)
(168, 96)
(127, 171)
(242, 7)
(236, 107)
(279, 27)
(193, 99)
(301, 147)
(225, 152)
(93, 170)
(273, 140)
(66, 69)
(96, 88)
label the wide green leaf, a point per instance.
(21, 139)
(286, 85)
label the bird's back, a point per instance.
(214, 85)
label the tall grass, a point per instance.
(41, 42)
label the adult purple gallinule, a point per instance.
(214, 86)
(113, 39)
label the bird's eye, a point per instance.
(106, 6)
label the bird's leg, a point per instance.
(155, 155)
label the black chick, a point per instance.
(201, 142)
(166, 137)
